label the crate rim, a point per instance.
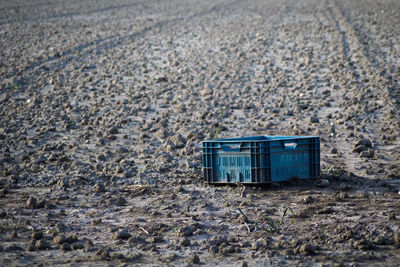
(276, 138)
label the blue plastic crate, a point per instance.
(261, 159)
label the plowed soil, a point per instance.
(104, 105)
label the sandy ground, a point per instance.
(104, 105)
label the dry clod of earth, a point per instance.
(307, 248)
(323, 183)
(122, 234)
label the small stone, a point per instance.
(13, 235)
(218, 240)
(144, 135)
(103, 254)
(232, 239)
(122, 234)
(205, 92)
(31, 246)
(194, 259)
(118, 201)
(190, 164)
(334, 150)
(118, 256)
(345, 177)
(314, 120)
(164, 168)
(186, 230)
(289, 112)
(42, 244)
(391, 215)
(307, 248)
(179, 189)
(369, 153)
(323, 183)
(157, 239)
(179, 141)
(226, 250)
(37, 235)
(135, 240)
(185, 242)
(78, 245)
(113, 130)
(62, 184)
(260, 243)
(59, 239)
(99, 187)
(101, 157)
(214, 250)
(121, 201)
(364, 142)
(89, 246)
(308, 199)
(73, 238)
(288, 252)
(359, 148)
(119, 169)
(62, 227)
(44, 204)
(96, 221)
(343, 186)
(31, 203)
(397, 237)
(66, 246)
(362, 244)
(161, 79)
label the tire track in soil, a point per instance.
(267, 43)
(368, 58)
(70, 14)
(38, 4)
(112, 41)
(361, 69)
(377, 60)
(351, 161)
(349, 44)
(391, 98)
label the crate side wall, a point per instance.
(261, 162)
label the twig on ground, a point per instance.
(248, 228)
(246, 219)
(144, 230)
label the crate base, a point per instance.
(264, 183)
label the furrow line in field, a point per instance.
(103, 44)
(365, 101)
(69, 14)
(348, 42)
(378, 64)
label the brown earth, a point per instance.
(104, 105)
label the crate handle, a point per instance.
(231, 147)
(290, 146)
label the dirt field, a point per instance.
(104, 105)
